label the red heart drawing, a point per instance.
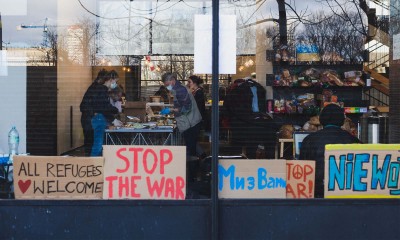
(24, 185)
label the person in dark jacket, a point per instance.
(86, 108)
(313, 146)
(194, 83)
(198, 93)
(96, 106)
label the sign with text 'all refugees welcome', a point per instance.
(55, 177)
(251, 178)
(144, 172)
(362, 171)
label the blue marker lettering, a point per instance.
(271, 182)
(349, 170)
(393, 181)
(360, 173)
(336, 174)
(239, 183)
(379, 174)
(226, 173)
(262, 178)
(250, 181)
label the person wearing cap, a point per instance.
(313, 146)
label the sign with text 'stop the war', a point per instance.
(258, 178)
(56, 177)
(144, 172)
(362, 171)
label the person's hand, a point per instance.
(165, 111)
(117, 123)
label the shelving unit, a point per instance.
(351, 96)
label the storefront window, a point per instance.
(288, 61)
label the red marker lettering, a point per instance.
(135, 158)
(156, 187)
(145, 161)
(134, 185)
(110, 180)
(123, 185)
(164, 160)
(125, 159)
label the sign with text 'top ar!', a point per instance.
(251, 178)
(300, 178)
(39, 177)
(144, 172)
(362, 171)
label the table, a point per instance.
(147, 136)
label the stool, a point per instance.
(280, 145)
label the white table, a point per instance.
(146, 136)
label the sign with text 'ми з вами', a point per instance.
(252, 178)
(362, 171)
(45, 177)
(144, 172)
(300, 179)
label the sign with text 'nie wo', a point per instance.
(39, 177)
(252, 178)
(362, 171)
(144, 172)
(300, 179)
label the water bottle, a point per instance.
(13, 142)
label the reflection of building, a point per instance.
(74, 44)
(26, 56)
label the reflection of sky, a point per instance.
(37, 11)
(71, 10)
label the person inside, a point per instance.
(86, 108)
(116, 98)
(313, 146)
(188, 119)
(103, 111)
(194, 84)
(163, 93)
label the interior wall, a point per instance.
(72, 80)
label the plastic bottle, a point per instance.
(260, 152)
(13, 142)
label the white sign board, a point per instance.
(203, 44)
(259, 178)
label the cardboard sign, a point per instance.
(39, 177)
(252, 178)
(144, 172)
(300, 179)
(362, 171)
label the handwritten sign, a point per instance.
(300, 179)
(39, 177)
(252, 178)
(144, 172)
(362, 171)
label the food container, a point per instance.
(155, 99)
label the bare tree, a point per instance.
(335, 36)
